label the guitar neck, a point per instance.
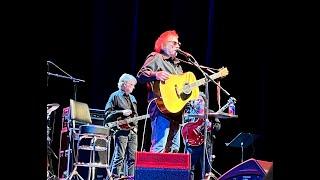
(231, 99)
(223, 108)
(129, 120)
(203, 80)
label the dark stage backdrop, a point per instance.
(97, 41)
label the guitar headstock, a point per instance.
(223, 72)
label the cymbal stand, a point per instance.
(51, 176)
(50, 173)
(75, 173)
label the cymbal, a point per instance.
(52, 107)
(221, 115)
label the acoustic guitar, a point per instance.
(174, 93)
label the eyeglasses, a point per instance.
(175, 43)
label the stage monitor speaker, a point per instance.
(162, 166)
(249, 169)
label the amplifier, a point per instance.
(162, 166)
(97, 116)
(64, 167)
(249, 169)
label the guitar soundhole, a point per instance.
(186, 88)
(184, 96)
(186, 92)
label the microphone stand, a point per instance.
(74, 80)
(206, 109)
(203, 67)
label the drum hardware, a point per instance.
(48, 135)
(50, 108)
(50, 175)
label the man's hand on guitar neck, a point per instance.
(162, 75)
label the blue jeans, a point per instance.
(197, 157)
(125, 148)
(165, 136)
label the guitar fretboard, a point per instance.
(203, 80)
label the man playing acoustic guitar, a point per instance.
(158, 67)
(169, 90)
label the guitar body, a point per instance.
(125, 126)
(175, 93)
(190, 133)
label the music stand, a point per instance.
(242, 140)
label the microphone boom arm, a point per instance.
(61, 76)
(195, 63)
(74, 80)
(66, 77)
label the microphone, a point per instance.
(183, 53)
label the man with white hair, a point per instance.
(121, 105)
